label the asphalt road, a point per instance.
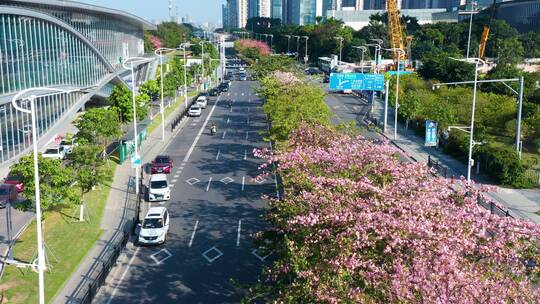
(215, 209)
(11, 223)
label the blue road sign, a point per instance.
(356, 81)
(431, 133)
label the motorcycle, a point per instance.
(213, 130)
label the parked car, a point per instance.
(55, 153)
(223, 87)
(214, 91)
(8, 195)
(312, 71)
(68, 145)
(155, 226)
(194, 110)
(159, 188)
(243, 77)
(201, 101)
(326, 78)
(162, 164)
(15, 180)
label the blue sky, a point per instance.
(199, 10)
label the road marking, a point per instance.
(242, 94)
(177, 175)
(224, 132)
(243, 178)
(227, 180)
(346, 108)
(208, 186)
(336, 107)
(174, 181)
(159, 261)
(193, 234)
(192, 181)
(238, 233)
(230, 110)
(247, 134)
(186, 158)
(245, 154)
(217, 256)
(262, 258)
(218, 152)
(123, 274)
(356, 108)
(228, 119)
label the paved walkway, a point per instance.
(522, 203)
(119, 213)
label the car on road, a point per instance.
(55, 153)
(161, 164)
(202, 102)
(15, 180)
(159, 189)
(312, 71)
(243, 77)
(224, 87)
(8, 195)
(195, 110)
(214, 91)
(68, 145)
(155, 226)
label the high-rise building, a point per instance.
(303, 12)
(225, 16)
(259, 8)
(238, 13)
(276, 9)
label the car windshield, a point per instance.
(13, 178)
(158, 184)
(4, 191)
(151, 223)
(162, 160)
(51, 151)
(194, 108)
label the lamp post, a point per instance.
(471, 13)
(131, 61)
(378, 45)
(306, 57)
(202, 64)
(32, 112)
(340, 46)
(297, 46)
(401, 52)
(159, 52)
(288, 42)
(183, 48)
(363, 49)
(271, 38)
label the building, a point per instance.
(66, 45)
(524, 15)
(276, 10)
(224, 16)
(259, 8)
(238, 13)
(302, 12)
(357, 19)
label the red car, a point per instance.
(8, 195)
(161, 164)
(15, 180)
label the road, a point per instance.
(11, 223)
(215, 209)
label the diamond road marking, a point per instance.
(176, 175)
(336, 107)
(260, 181)
(192, 181)
(356, 108)
(227, 180)
(160, 256)
(217, 255)
(262, 258)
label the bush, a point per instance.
(504, 164)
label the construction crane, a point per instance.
(396, 34)
(485, 32)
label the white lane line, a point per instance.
(177, 175)
(174, 181)
(193, 234)
(230, 110)
(123, 275)
(228, 120)
(247, 122)
(247, 134)
(238, 233)
(218, 152)
(208, 186)
(186, 158)
(347, 108)
(224, 132)
(243, 178)
(245, 154)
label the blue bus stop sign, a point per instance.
(431, 133)
(356, 81)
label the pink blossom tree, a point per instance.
(357, 225)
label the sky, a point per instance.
(157, 10)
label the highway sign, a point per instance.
(356, 81)
(136, 161)
(431, 133)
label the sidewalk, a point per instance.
(522, 203)
(119, 213)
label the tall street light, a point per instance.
(288, 43)
(202, 64)
(472, 143)
(297, 46)
(340, 46)
(183, 48)
(40, 246)
(271, 38)
(378, 45)
(129, 64)
(159, 52)
(363, 49)
(306, 58)
(471, 13)
(401, 53)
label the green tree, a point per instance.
(89, 167)
(151, 88)
(173, 34)
(98, 126)
(531, 44)
(56, 181)
(121, 102)
(510, 51)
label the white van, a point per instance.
(154, 228)
(158, 189)
(201, 101)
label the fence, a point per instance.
(176, 121)
(441, 169)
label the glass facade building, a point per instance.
(58, 44)
(524, 15)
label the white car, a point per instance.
(194, 110)
(68, 145)
(154, 227)
(55, 153)
(159, 188)
(201, 102)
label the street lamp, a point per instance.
(288, 42)
(271, 38)
(183, 48)
(378, 44)
(159, 52)
(131, 61)
(340, 46)
(32, 112)
(297, 46)
(471, 128)
(202, 64)
(471, 13)
(363, 49)
(401, 52)
(306, 57)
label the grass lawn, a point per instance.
(68, 240)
